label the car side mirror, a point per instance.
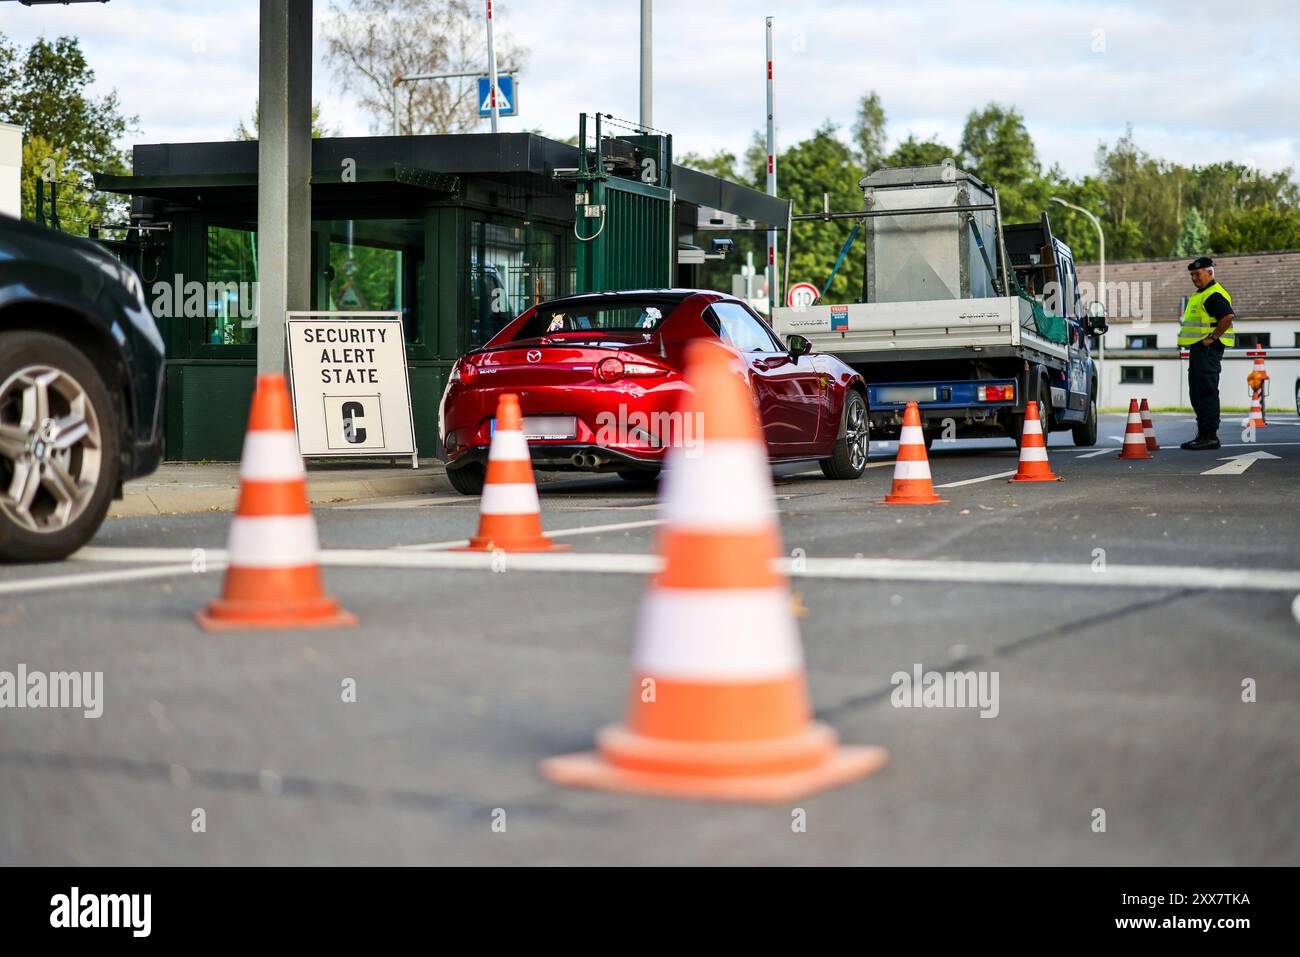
(1096, 321)
(799, 346)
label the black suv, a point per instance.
(81, 370)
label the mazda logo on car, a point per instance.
(534, 355)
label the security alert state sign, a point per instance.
(351, 394)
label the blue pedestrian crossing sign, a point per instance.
(506, 104)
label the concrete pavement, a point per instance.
(1123, 700)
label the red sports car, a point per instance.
(599, 377)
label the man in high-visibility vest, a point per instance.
(1205, 332)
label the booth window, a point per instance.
(374, 266)
(1137, 375)
(1253, 340)
(511, 269)
(231, 290)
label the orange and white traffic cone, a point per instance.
(912, 485)
(1034, 466)
(1148, 428)
(718, 703)
(510, 515)
(1135, 440)
(273, 577)
(1256, 413)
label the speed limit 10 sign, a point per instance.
(801, 295)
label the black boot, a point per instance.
(1202, 443)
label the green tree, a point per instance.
(914, 152)
(721, 164)
(822, 164)
(869, 132)
(243, 132)
(1257, 229)
(1071, 227)
(1194, 236)
(69, 134)
(996, 147)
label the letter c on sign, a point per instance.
(352, 431)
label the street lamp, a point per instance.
(1100, 297)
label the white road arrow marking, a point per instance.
(1237, 464)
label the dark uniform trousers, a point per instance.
(1204, 364)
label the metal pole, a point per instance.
(647, 61)
(283, 174)
(397, 129)
(772, 292)
(492, 70)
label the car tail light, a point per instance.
(612, 368)
(466, 373)
(997, 393)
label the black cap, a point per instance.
(1205, 262)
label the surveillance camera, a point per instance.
(723, 246)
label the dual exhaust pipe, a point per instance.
(586, 460)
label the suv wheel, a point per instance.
(59, 447)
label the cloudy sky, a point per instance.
(1198, 81)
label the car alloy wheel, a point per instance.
(51, 449)
(857, 435)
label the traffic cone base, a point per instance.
(223, 615)
(836, 766)
(539, 543)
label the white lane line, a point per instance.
(1054, 573)
(557, 533)
(1093, 455)
(982, 478)
(55, 582)
(1028, 574)
(119, 553)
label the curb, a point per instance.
(321, 489)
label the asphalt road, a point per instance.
(1120, 681)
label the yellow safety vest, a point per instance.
(1197, 323)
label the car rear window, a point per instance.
(621, 316)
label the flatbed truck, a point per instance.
(968, 317)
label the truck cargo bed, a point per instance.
(873, 331)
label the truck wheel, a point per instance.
(60, 447)
(1085, 432)
(468, 479)
(1044, 400)
(849, 460)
